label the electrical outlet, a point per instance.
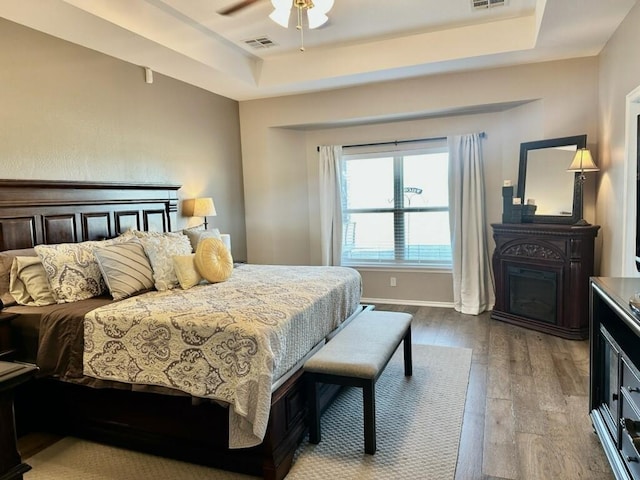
(392, 281)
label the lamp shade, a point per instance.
(583, 162)
(204, 207)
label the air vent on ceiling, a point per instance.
(482, 4)
(260, 42)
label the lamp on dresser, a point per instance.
(582, 162)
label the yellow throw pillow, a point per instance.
(186, 271)
(213, 260)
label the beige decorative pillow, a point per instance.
(213, 260)
(160, 247)
(196, 228)
(29, 284)
(186, 271)
(72, 269)
(6, 261)
(195, 235)
(125, 268)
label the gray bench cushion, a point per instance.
(363, 347)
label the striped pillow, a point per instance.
(125, 268)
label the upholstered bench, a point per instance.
(356, 357)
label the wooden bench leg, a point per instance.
(314, 412)
(369, 400)
(408, 362)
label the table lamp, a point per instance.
(204, 207)
(582, 162)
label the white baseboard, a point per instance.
(416, 303)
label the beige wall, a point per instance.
(619, 75)
(74, 114)
(512, 105)
(70, 113)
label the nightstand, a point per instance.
(7, 348)
(11, 375)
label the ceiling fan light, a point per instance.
(316, 19)
(281, 16)
(322, 5)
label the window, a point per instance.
(396, 208)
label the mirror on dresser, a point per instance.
(543, 179)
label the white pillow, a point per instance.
(160, 247)
(72, 269)
(125, 268)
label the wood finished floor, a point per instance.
(526, 414)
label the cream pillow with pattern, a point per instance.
(160, 248)
(72, 269)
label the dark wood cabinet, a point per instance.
(7, 349)
(542, 276)
(614, 380)
(11, 375)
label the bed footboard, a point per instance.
(166, 425)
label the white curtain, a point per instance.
(473, 290)
(330, 204)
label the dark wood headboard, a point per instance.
(34, 212)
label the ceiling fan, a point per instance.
(236, 7)
(314, 13)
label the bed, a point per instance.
(141, 372)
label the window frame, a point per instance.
(398, 210)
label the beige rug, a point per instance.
(418, 430)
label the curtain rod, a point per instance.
(398, 142)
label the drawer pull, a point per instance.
(632, 459)
(614, 397)
(633, 389)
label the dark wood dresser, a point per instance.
(614, 380)
(542, 276)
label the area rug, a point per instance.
(419, 419)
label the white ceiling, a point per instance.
(363, 41)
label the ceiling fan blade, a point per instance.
(237, 6)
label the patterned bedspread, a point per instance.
(227, 341)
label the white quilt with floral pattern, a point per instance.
(227, 341)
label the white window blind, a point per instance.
(395, 206)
